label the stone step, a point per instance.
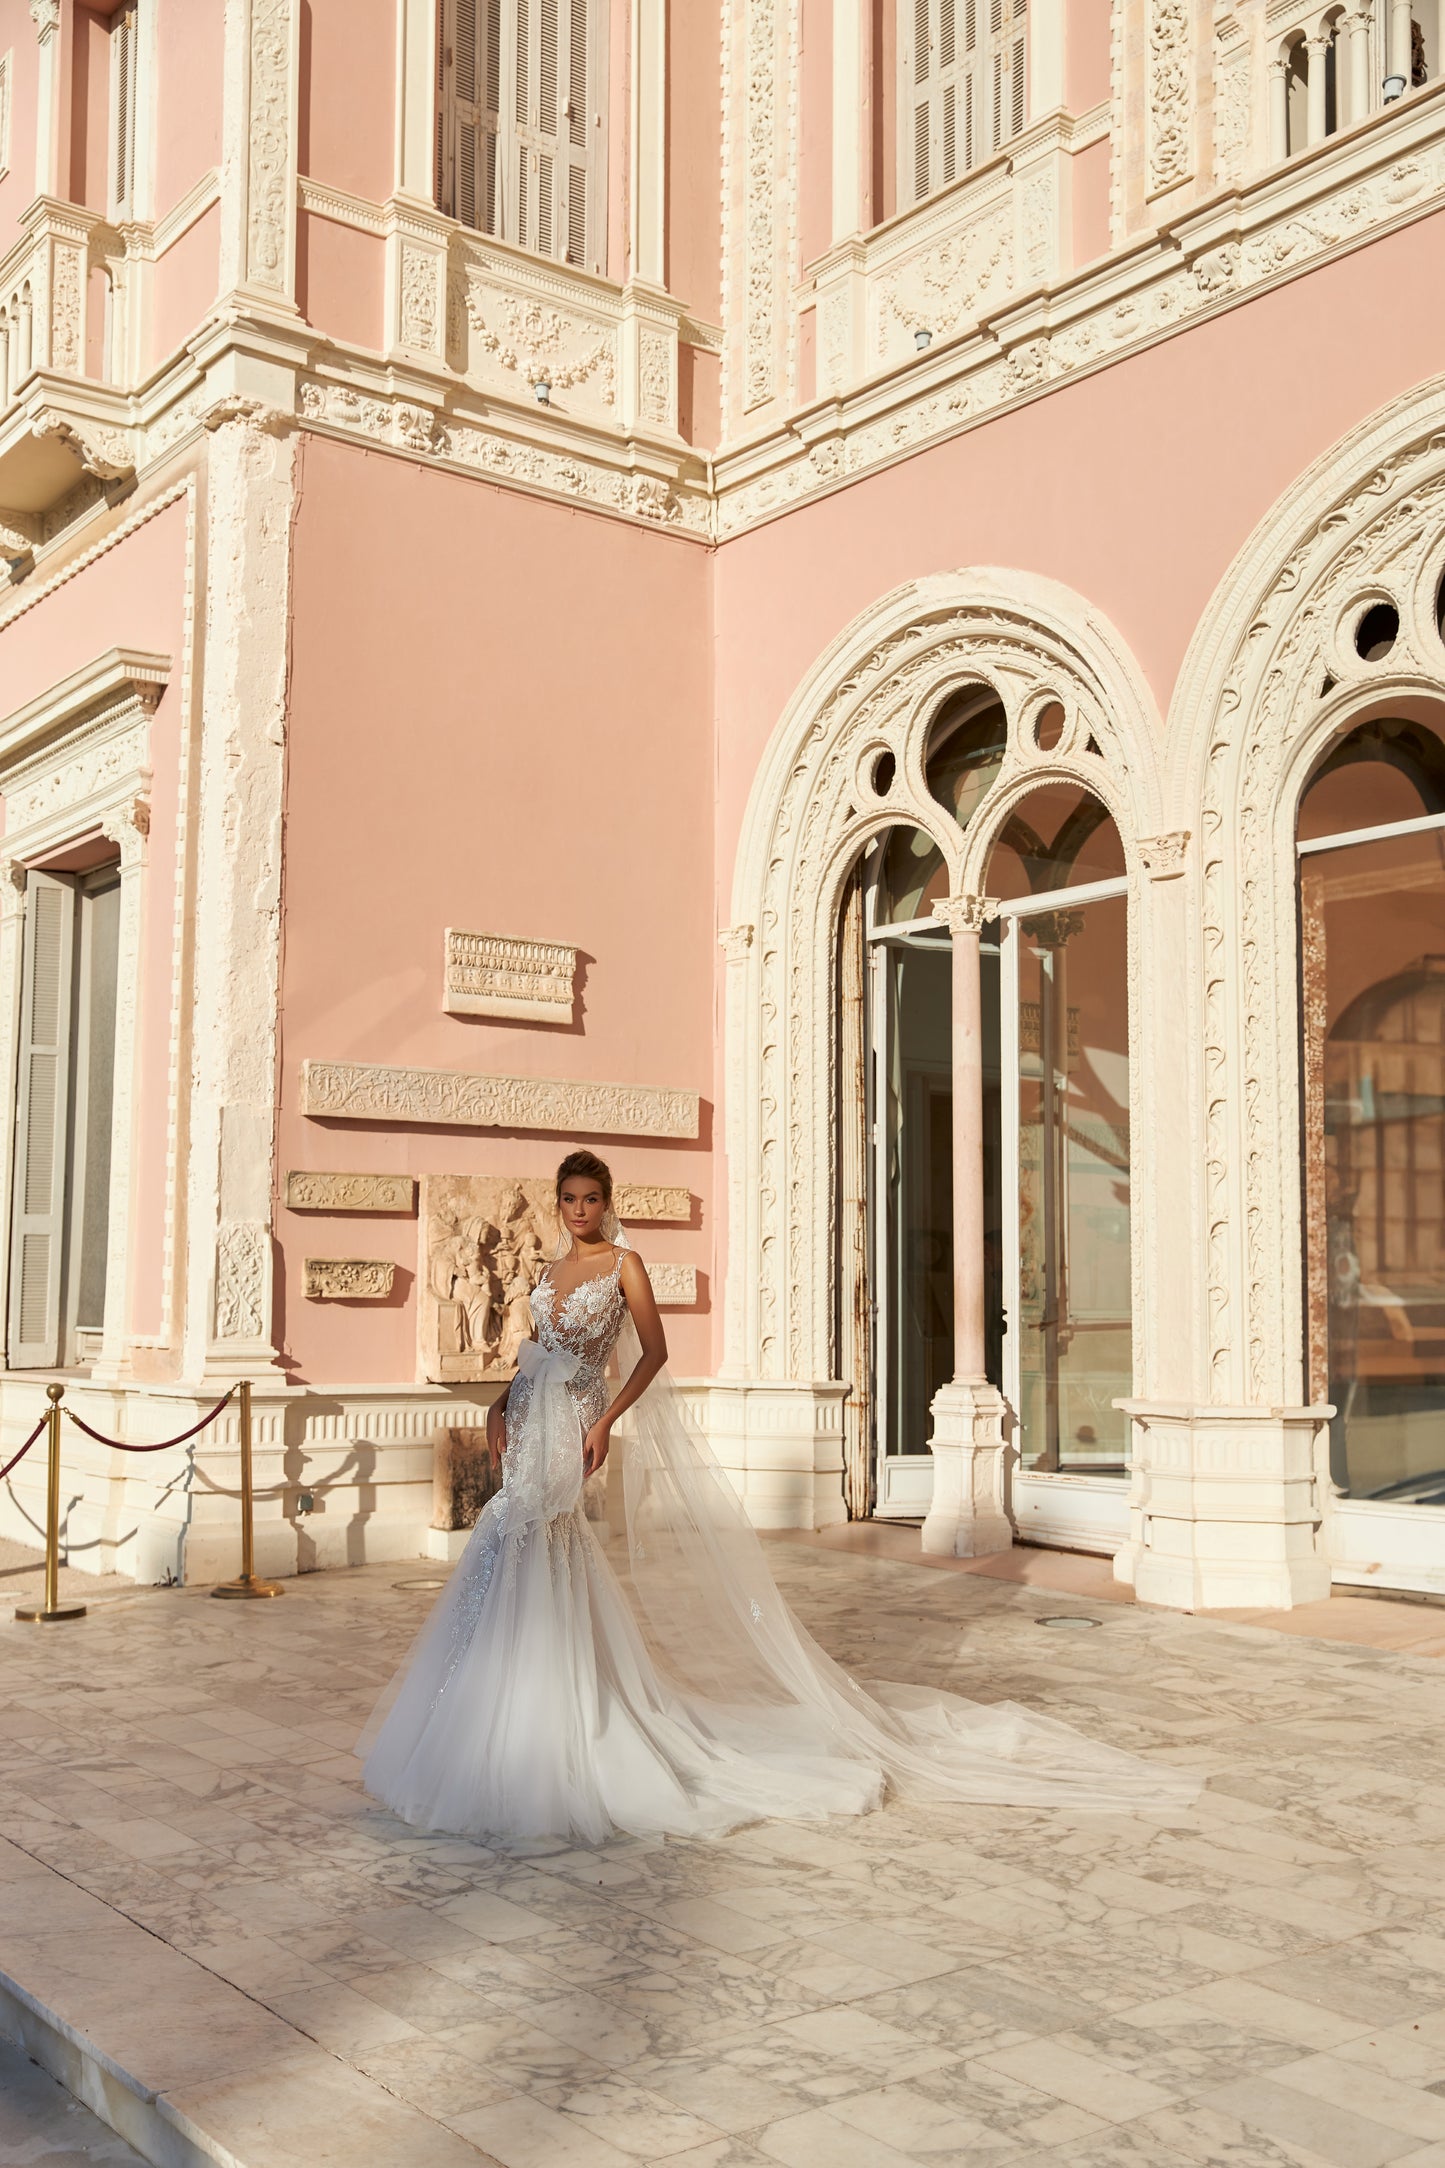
(187, 2069)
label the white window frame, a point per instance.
(526, 199)
(970, 98)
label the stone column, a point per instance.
(969, 1514)
(1318, 50)
(1278, 111)
(1401, 42)
(849, 111)
(1358, 26)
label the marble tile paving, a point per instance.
(191, 1875)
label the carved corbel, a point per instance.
(735, 941)
(19, 538)
(254, 413)
(14, 880)
(127, 826)
(103, 453)
(45, 14)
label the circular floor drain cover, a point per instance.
(418, 1584)
(1067, 1619)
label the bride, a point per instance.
(550, 1695)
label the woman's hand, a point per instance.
(497, 1431)
(594, 1447)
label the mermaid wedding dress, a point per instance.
(551, 1696)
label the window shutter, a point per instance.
(124, 43)
(41, 1123)
(514, 80)
(964, 77)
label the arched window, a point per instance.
(1372, 969)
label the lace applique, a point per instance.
(757, 1610)
(473, 1593)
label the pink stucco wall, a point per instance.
(347, 132)
(518, 740)
(1135, 486)
(190, 57)
(133, 595)
(88, 48)
(187, 279)
(694, 135)
(340, 280)
(17, 188)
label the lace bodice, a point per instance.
(585, 1321)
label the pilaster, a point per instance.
(127, 826)
(250, 479)
(258, 157)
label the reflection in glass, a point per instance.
(1075, 1351)
(1060, 837)
(911, 878)
(965, 751)
(1373, 1001)
(1384, 771)
(918, 1113)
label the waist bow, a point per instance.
(544, 1472)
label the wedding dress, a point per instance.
(548, 1697)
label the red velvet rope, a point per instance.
(25, 1448)
(161, 1444)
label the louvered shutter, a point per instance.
(964, 73)
(515, 139)
(124, 44)
(41, 1123)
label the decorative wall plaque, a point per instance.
(350, 1192)
(489, 974)
(348, 1279)
(650, 1201)
(368, 1092)
(674, 1287)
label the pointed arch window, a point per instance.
(521, 140)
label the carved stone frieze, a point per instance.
(1168, 94)
(947, 285)
(651, 1201)
(421, 271)
(674, 1287)
(307, 1192)
(761, 86)
(348, 1279)
(368, 1092)
(493, 974)
(484, 1241)
(76, 774)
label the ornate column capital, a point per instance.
(735, 941)
(45, 14)
(13, 880)
(1164, 855)
(965, 914)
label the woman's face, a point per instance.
(583, 1207)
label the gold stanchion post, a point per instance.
(248, 1585)
(43, 1614)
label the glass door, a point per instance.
(1069, 1336)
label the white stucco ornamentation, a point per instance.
(760, 94)
(493, 974)
(348, 1279)
(306, 1192)
(364, 1091)
(651, 1201)
(1168, 93)
(674, 1287)
(271, 206)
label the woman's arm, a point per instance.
(637, 1287)
(497, 1415)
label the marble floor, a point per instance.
(192, 1882)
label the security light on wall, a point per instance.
(1394, 87)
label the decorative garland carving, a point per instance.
(761, 130)
(347, 1279)
(367, 1092)
(651, 1201)
(536, 342)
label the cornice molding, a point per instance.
(120, 678)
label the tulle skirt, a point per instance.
(533, 1707)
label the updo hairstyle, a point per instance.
(591, 1168)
